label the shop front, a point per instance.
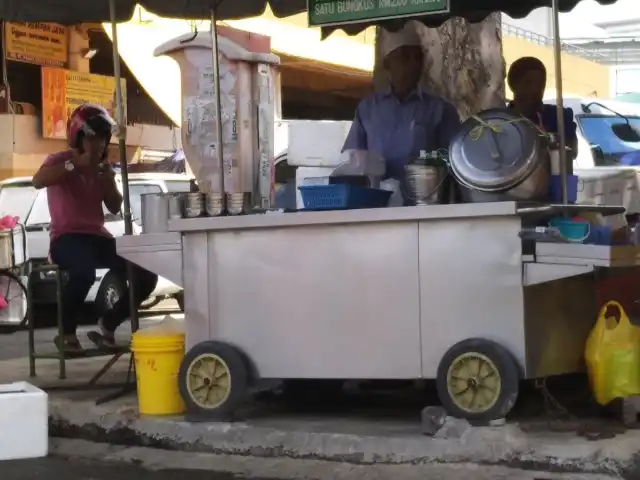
(47, 73)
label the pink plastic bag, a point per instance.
(8, 222)
(3, 303)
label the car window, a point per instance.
(178, 186)
(597, 131)
(135, 192)
(39, 214)
(17, 200)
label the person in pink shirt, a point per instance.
(78, 182)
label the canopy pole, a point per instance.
(557, 54)
(122, 146)
(216, 91)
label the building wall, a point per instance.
(22, 148)
(291, 36)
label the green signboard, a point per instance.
(339, 12)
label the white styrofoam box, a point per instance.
(309, 176)
(24, 422)
(601, 186)
(316, 143)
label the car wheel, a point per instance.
(110, 291)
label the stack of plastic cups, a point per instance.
(214, 204)
(193, 205)
(235, 203)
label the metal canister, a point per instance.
(214, 204)
(235, 203)
(425, 179)
(193, 205)
(155, 212)
(176, 201)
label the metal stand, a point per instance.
(129, 386)
(557, 56)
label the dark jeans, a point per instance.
(80, 255)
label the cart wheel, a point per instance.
(213, 379)
(478, 380)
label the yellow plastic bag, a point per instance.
(612, 354)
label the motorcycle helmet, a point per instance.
(89, 120)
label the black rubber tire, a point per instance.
(239, 373)
(509, 379)
(101, 302)
(180, 299)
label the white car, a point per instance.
(19, 198)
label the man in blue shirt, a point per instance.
(403, 119)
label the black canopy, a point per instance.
(78, 11)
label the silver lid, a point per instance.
(494, 150)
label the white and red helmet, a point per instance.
(88, 120)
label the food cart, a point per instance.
(445, 292)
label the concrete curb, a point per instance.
(290, 469)
(502, 446)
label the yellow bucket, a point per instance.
(158, 357)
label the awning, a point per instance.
(79, 11)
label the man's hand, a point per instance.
(81, 160)
(112, 197)
(107, 172)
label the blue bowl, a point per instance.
(571, 230)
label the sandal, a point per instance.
(102, 341)
(69, 347)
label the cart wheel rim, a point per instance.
(208, 381)
(473, 382)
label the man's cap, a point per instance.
(407, 36)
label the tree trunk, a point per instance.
(463, 63)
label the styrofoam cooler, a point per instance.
(601, 187)
(316, 143)
(24, 422)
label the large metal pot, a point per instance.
(498, 156)
(157, 209)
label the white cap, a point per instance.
(407, 36)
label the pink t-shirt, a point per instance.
(75, 204)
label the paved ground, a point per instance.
(75, 460)
(343, 438)
(58, 468)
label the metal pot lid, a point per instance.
(494, 150)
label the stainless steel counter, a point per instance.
(378, 215)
